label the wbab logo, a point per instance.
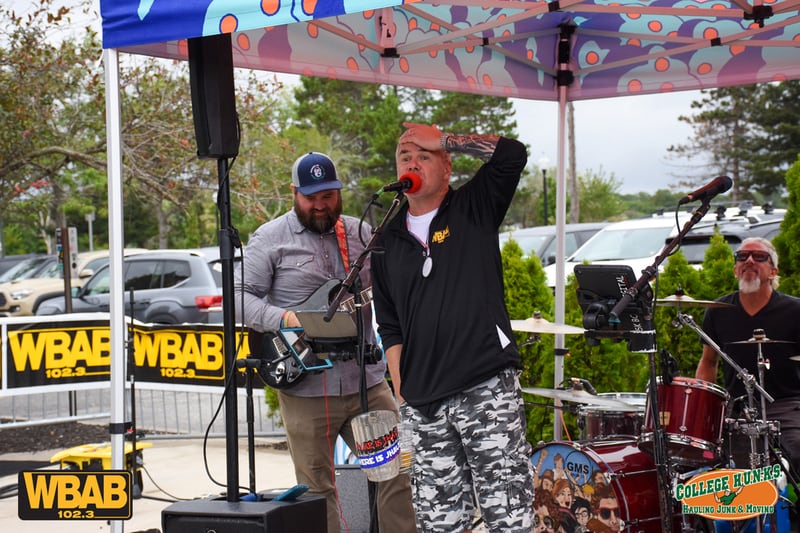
(730, 494)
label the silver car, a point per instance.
(166, 287)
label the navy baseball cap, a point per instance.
(314, 172)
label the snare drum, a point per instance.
(597, 422)
(692, 413)
(629, 472)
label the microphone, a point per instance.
(408, 183)
(707, 192)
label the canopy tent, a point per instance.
(560, 50)
(500, 47)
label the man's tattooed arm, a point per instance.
(480, 146)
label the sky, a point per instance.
(626, 137)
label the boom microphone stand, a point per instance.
(659, 439)
(351, 284)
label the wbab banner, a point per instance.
(77, 349)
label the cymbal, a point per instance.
(681, 300)
(795, 358)
(541, 325)
(761, 340)
(580, 396)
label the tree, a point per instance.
(601, 200)
(526, 292)
(749, 133)
(161, 169)
(721, 129)
(51, 108)
(787, 242)
(774, 144)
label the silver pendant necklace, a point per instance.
(427, 264)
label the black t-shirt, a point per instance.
(779, 320)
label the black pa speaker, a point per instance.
(353, 487)
(216, 127)
(306, 514)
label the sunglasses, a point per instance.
(605, 512)
(758, 256)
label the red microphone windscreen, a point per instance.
(416, 182)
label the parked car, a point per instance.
(22, 297)
(541, 240)
(9, 261)
(169, 287)
(30, 267)
(633, 242)
(697, 240)
(639, 242)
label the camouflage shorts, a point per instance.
(474, 447)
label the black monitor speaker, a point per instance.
(216, 126)
(305, 515)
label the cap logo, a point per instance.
(317, 172)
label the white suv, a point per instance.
(638, 242)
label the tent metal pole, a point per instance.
(116, 245)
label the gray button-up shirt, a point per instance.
(284, 263)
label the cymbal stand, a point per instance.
(747, 378)
(750, 385)
(763, 366)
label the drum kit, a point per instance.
(643, 461)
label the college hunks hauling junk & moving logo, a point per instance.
(730, 494)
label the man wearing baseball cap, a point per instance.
(313, 173)
(285, 262)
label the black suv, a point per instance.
(169, 287)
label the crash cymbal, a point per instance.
(795, 358)
(538, 324)
(761, 340)
(683, 300)
(580, 396)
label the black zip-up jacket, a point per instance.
(453, 325)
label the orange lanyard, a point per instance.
(341, 236)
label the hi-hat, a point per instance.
(761, 340)
(537, 324)
(580, 396)
(683, 300)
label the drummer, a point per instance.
(758, 305)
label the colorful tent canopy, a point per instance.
(508, 48)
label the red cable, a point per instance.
(330, 451)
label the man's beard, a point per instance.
(319, 223)
(749, 286)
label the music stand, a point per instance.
(341, 326)
(600, 287)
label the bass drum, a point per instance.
(620, 465)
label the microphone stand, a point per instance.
(659, 439)
(352, 284)
(358, 264)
